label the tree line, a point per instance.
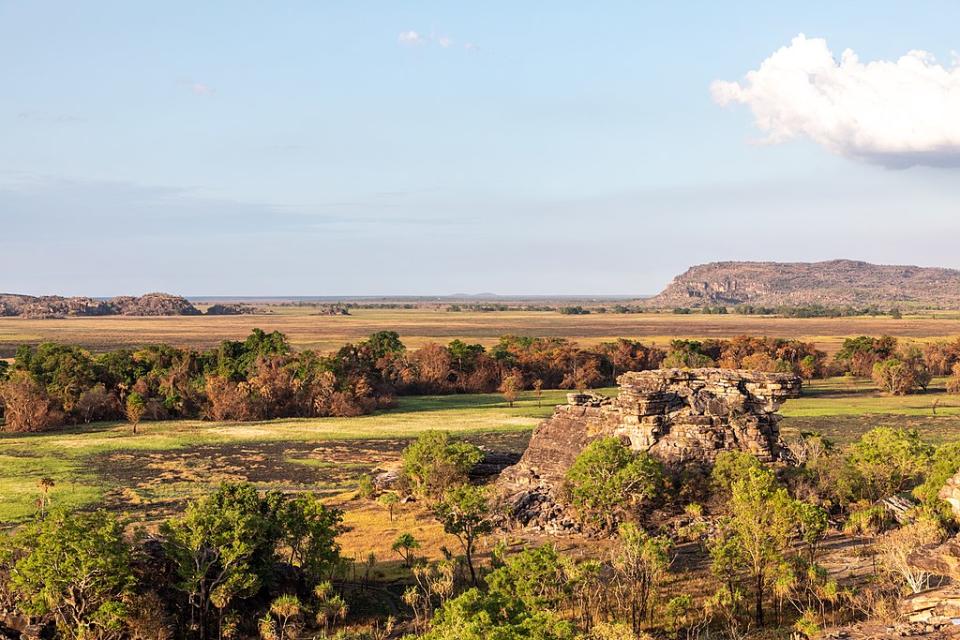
(262, 377)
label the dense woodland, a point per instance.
(262, 377)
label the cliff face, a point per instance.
(837, 282)
(680, 416)
(151, 304)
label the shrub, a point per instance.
(435, 462)
(869, 520)
(607, 478)
(889, 460)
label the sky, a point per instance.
(417, 148)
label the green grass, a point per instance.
(74, 457)
(841, 397)
(67, 455)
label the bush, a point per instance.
(435, 462)
(607, 478)
(889, 461)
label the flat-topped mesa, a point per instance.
(678, 415)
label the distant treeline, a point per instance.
(262, 377)
(804, 311)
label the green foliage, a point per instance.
(640, 563)
(607, 478)
(224, 548)
(308, 532)
(465, 513)
(869, 520)
(756, 535)
(475, 615)
(687, 354)
(731, 467)
(77, 569)
(365, 488)
(435, 462)
(889, 461)
(405, 545)
(532, 577)
(944, 464)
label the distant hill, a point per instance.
(150, 304)
(832, 283)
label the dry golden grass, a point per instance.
(419, 326)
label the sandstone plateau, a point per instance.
(831, 283)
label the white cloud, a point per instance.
(410, 38)
(444, 41)
(895, 113)
(201, 89)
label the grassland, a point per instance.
(418, 326)
(153, 473)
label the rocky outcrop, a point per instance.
(680, 416)
(151, 304)
(831, 283)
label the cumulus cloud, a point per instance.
(895, 113)
(410, 38)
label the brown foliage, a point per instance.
(226, 400)
(26, 405)
(96, 403)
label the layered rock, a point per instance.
(678, 415)
(150, 304)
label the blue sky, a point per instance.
(339, 148)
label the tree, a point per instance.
(283, 619)
(607, 478)
(135, 408)
(510, 387)
(26, 405)
(435, 463)
(889, 460)
(330, 606)
(390, 500)
(404, 546)
(731, 466)
(465, 514)
(309, 535)
(77, 569)
(640, 562)
(896, 377)
(222, 548)
(760, 527)
(944, 464)
(538, 389)
(45, 484)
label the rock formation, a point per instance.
(150, 304)
(831, 283)
(678, 415)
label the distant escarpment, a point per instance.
(150, 304)
(832, 283)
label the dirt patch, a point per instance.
(165, 480)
